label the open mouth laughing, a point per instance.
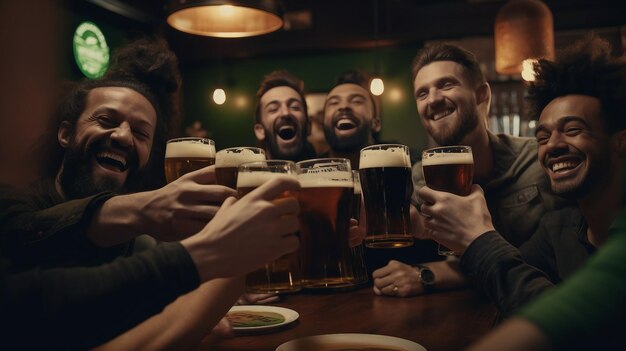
(112, 160)
(345, 123)
(286, 129)
(563, 166)
(442, 113)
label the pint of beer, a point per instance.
(227, 163)
(450, 169)
(184, 155)
(387, 188)
(283, 274)
(326, 192)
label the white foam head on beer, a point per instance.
(448, 158)
(326, 178)
(189, 148)
(233, 158)
(257, 178)
(376, 158)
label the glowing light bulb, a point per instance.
(377, 87)
(528, 71)
(219, 96)
(226, 10)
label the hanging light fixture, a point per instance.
(523, 30)
(225, 18)
(377, 86)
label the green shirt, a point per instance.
(589, 309)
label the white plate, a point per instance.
(290, 316)
(349, 340)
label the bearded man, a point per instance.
(282, 124)
(452, 97)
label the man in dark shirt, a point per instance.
(581, 132)
(110, 139)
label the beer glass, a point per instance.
(387, 188)
(184, 155)
(227, 163)
(325, 196)
(283, 274)
(450, 169)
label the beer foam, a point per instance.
(448, 159)
(257, 178)
(357, 188)
(373, 158)
(232, 158)
(189, 149)
(326, 179)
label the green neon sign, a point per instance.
(91, 51)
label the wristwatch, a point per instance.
(427, 277)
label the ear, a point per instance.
(483, 94)
(259, 131)
(64, 134)
(618, 141)
(376, 125)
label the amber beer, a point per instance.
(387, 188)
(227, 163)
(326, 192)
(184, 155)
(283, 274)
(450, 169)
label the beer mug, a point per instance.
(283, 274)
(387, 188)
(325, 196)
(184, 155)
(227, 163)
(450, 169)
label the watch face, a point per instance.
(427, 276)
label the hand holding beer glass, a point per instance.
(283, 274)
(184, 155)
(449, 169)
(387, 188)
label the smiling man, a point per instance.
(452, 98)
(351, 120)
(282, 124)
(109, 135)
(581, 136)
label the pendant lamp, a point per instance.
(225, 18)
(523, 30)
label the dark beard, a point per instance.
(455, 137)
(296, 153)
(76, 178)
(348, 145)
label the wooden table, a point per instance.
(441, 321)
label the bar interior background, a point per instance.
(320, 39)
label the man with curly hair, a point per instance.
(110, 139)
(581, 133)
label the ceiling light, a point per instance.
(524, 29)
(225, 18)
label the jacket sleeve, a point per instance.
(34, 231)
(500, 270)
(78, 308)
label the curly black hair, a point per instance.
(145, 65)
(585, 68)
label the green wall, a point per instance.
(231, 124)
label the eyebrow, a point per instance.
(289, 101)
(561, 122)
(117, 114)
